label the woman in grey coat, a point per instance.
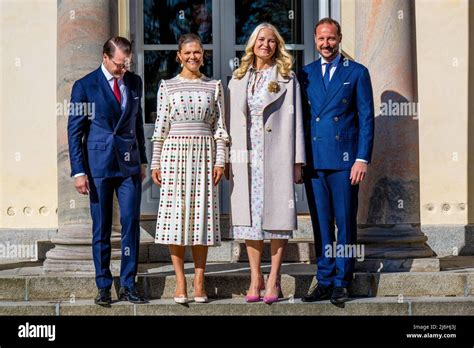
(266, 153)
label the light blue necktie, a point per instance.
(327, 74)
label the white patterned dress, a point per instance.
(189, 140)
(256, 89)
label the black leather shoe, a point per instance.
(319, 293)
(130, 294)
(103, 298)
(339, 295)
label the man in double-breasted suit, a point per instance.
(107, 154)
(339, 133)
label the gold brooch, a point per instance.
(273, 87)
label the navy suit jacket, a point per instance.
(108, 142)
(339, 122)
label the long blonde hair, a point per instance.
(283, 59)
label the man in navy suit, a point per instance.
(107, 154)
(339, 137)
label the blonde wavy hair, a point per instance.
(283, 59)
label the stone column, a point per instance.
(83, 27)
(389, 199)
(445, 80)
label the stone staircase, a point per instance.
(229, 307)
(398, 276)
(31, 291)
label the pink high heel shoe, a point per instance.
(272, 299)
(256, 298)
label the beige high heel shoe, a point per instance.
(181, 299)
(201, 299)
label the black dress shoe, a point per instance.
(339, 295)
(103, 298)
(130, 294)
(319, 293)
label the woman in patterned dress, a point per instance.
(188, 162)
(266, 128)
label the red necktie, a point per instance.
(117, 91)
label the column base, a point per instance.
(75, 258)
(394, 242)
(73, 250)
(450, 240)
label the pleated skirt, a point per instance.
(188, 212)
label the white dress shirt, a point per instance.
(122, 87)
(334, 63)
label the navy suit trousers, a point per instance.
(128, 190)
(332, 200)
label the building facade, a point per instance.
(417, 200)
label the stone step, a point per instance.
(289, 306)
(228, 281)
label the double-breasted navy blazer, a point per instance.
(339, 122)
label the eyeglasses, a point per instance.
(126, 66)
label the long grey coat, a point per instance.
(283, 147)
